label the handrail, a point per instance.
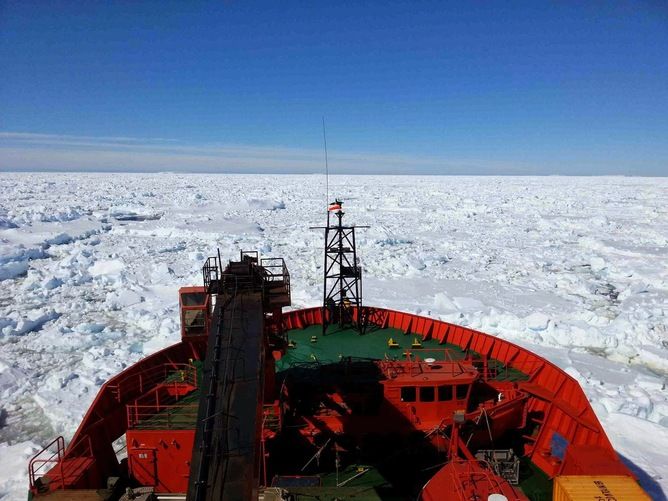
(254, 255)
(137, 413)
(483, 472)
(146, 380)
(214, 353)
(500, 369)
(159, 397)
(210, 271)
(57, 457)
(269, 264)
(393, 368)
(59, 454)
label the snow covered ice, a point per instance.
(576, 269)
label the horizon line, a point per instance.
(43, 152)
(347, 174)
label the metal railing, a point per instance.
(276, 271)
(494, 369)
(37, 465)
(141, 382)
(210, 271)
(261, 272)
(414, 367)
(222, 339)
(275, 268)
(162, 416)
(252, 255)
(219, 283)
(474, 473)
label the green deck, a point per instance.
(331, 348)
(371, 486)
(338, 343)
(534, 482)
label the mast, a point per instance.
(342, 273)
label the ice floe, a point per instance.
(576, 269)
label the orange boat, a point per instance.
(339, 401)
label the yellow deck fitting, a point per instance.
(392, 343)
(416, 343)
(291, 343)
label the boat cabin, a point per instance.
(426, 392)
(194, 308)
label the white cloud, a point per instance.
(31, 151)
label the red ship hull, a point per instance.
(551, 394)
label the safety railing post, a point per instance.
(61, 457)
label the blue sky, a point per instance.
(406, 87)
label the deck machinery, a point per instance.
(339, 401)
(247, 302)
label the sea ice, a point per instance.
(575, 269)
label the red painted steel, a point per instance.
(204, 307)
(141, 381)
(161, 458)
(164, 398)
(556, 404)
(66, 471)
(591, 460)
(106, 419)
(553, 394)
(463, 480)
(39, 461)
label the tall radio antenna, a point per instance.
(342, 284)
(324, 137)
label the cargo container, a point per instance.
(597, 488)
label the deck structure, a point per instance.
(256, 401)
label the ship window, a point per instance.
(462, 390)
(408, 394)
(193, 298)
(426, 393)
(194, 322)
(444, 393)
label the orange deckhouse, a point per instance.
(339, 401)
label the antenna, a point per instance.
(324, 137)
(342, 285)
